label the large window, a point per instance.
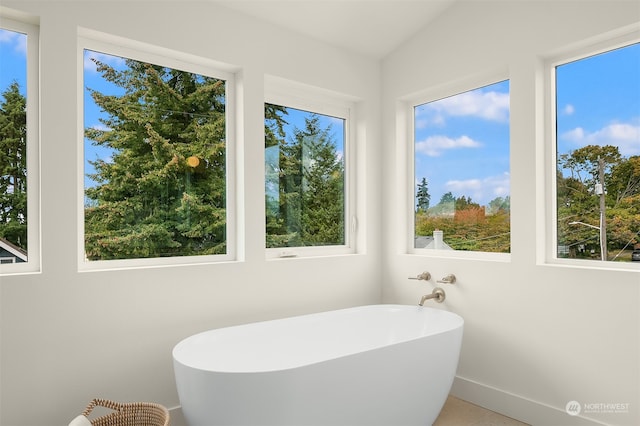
(597, 111)
(461, 171)
(307, 166)
(19, 233)
(304, 162)
(155, 159)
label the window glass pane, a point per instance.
(155, 160)
(461, 152)
(598, 153)
(13, 147)
(304, 178)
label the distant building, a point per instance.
(436, 242)
(10, 253)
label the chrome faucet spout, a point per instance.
(437, 294)
(427, 297)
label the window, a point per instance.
(461, 171)
(156, 157)
(306, 177)
(597, 134)
(19, 233)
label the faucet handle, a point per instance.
(448, 279)
(425, 276)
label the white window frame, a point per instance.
(117, 46)
(547, 253)
(31, 29)
(405, 122)
(286, 93)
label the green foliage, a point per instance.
(577, 201)
(305, 184)
(465, 224)
(13, 166)
(583, 162)
(163, 191)
(423, 198)
(498, 205)
(447, 198)
(465, 203)
(274, 124)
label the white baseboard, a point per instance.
(177, 419)
(515, 406)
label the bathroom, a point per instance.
(537, 334)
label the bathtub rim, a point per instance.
(457, 323)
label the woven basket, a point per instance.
(129, 414)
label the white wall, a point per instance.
(68, 337)
(536, 336)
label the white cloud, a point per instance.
(575, 135)
(568, 109)
(481, 190)
(464, 186)
(421, 123)
(12, 38)
(493, 106)
(89, 65)
(426, 119)
(625, 136)
(433, 146)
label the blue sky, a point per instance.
(93, 79)
(598, 101)
(92, 113)
(295, 118)
(13, 64)
(462, 142)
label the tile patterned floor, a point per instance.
(457, 412)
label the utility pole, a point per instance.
(603, 219)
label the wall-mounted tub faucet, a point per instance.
(448, 279)
(425, 276)
(437, 294)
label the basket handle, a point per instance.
(99, 402)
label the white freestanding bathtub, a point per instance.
(390, 365)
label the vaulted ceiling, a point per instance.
(369, 27)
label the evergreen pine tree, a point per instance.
(322, 214)
(163, 191)
(275, 158)
(13, 166)
(423, 198)
(309, 210)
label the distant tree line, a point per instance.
(466, 225)
(469, 226)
